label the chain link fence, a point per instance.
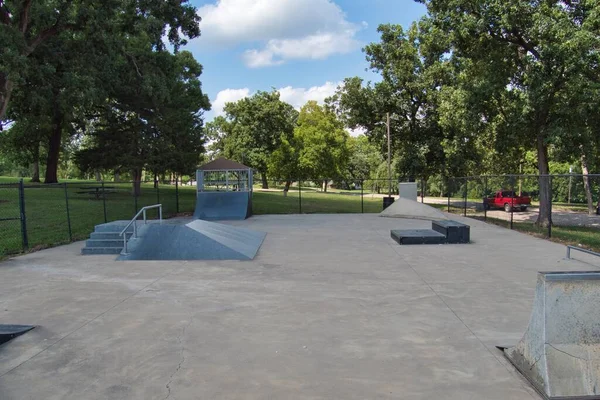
(513, 201)
(35, 216)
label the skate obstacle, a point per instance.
(560, 351)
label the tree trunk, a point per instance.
(325, 184)
(155, 181)
(545, 213)
(6, 88)
(286, 189)
(587, 186)
(98, 176)
(36, 172)
(54, 152)
(265, 183)
(137, 181)
(117, 176)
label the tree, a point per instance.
(154, 120)
(322, 143)
(26, 25)
(413, 67)
(255, 128)
(283, 163)
(536, 51)
(22, 143)
(364, 158)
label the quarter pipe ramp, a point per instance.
(222, 206)
(560, 351)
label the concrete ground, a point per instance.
(331, 308)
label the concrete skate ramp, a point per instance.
(9, 332)
(560, 351)
(222, 206)
(404, 208)
(197, 240)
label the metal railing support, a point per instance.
(134, 223)
(569, 248)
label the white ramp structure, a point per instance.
(405, 208)
(560, 351)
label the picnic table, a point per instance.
(97, 191)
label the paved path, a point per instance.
(331, 308)
(560, 217)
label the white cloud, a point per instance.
(297, 97)
(313, 47)
(228, 96)
(283, 29)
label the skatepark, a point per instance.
(300, 307)
(331, 307)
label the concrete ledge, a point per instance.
(455, 232)
(418, 236)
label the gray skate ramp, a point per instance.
(9, 332)
(223, 206)
(404, 208)
(560, 351)
(197, 240)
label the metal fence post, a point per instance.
(448, 189)
(550, 201)
(104, 202)
(135, 197)
(485, 206)
(157, 193)
(24, 237)
(362, 196)
(135, 209)
(299, 196)
(68, 213)
(466, 195)
(512, 201)
(177, 194)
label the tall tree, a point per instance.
(413, 67)
(25, 25)
(322, 143)
(154, 120)
(536, 49)
(255, 128)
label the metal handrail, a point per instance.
(569, 248)
(134, 222)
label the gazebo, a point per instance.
(224, 190)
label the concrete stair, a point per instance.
(105, 240)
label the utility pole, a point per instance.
(389, 157)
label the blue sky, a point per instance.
(304, 48)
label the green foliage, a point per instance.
(364, 158)
(254, 127)
(321, 143)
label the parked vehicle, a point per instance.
(508, 200)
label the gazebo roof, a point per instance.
(222, 164)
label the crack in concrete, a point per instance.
(564, 352)
(181, 361)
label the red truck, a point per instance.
(508, 200)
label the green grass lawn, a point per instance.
(586, 237)
(47, 217)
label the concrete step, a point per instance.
(108, 235)
(100, 250)
(113, 227)
(104, 243)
